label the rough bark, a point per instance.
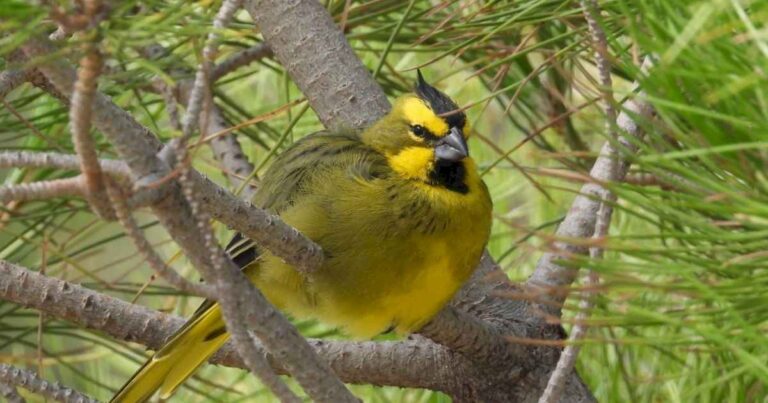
(315, 53)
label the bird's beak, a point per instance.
(452, 147)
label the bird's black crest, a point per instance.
(440, 103)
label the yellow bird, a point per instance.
(400, 212)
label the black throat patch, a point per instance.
(450, 175)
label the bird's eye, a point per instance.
(419, 130)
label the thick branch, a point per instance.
(315, 53)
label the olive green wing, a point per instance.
(312, 158)
(318, 156)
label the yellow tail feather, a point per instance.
(192, 345)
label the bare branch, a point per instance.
(226, 149)
(145, 248)
(42, 190)
(565, 364)
(17, 159)
(567, 360)
(229, 153)
(10, 79)
(472, 337)
(242, 306)
(169, 97)
(80, 121)
(591, 11)
(138, 145)
(240, 59)
(256, 224)
(552, 275)
(30, 381)
(201, 84)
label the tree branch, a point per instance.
(552, 275)
(43, 190)
(30, 381)
(10, 394)
(411, 363)
(10, 79)
(144, 247)
(30, 159)
(240, 59)
(139, 146)
(234, 299)
(80, 122)
(567, 360)
(302, 35)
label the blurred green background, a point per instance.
(682, 311)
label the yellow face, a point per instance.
(425, 139)
(418, 113)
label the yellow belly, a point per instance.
(379, 272)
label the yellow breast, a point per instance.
(384, 268)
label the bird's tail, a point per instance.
(192, 345)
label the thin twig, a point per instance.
(30, 159)
(145, 247)
(555, 385)
(171, 106)
(29, 380)
(80, 121)
(10, 79)
(551, 275)
(240, 59)
(226, 148)
(201, 84)
(43, 190)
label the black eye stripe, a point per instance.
(423, 132)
